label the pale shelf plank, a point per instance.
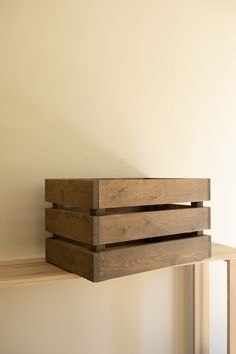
(222, 252)
(30, 271)
(219, 253)
(37, 270)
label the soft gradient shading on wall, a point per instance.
(111, 88)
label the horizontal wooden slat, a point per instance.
(123, 192)
(121, 261)
(117, 228)
(77, 226)
(106, 229)
(138, 259)
(70, 257)
(119, 193)
(78, 192)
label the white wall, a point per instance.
(111, 88)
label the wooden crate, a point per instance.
(104, 228)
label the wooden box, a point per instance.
(106, 228)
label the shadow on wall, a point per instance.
(36, 144)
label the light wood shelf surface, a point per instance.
(30, 271)
(37, 270)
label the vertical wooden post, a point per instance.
(231, 306)
(201, 308)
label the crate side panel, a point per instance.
(73, 225)
(133, 226)
(74, 192)
(70, 257)
(128, 192)
(136, 259)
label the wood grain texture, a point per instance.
(73, 258)
(73, 225)
(78, 192)
(118, 193)
(121, 261)
(96, 230)
(109, 193)
(30, 271)
(117, 228)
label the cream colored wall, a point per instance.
(111, 88)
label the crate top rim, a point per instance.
(127, 178)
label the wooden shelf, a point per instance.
(222, 252)
(30, 271)
(38, 270)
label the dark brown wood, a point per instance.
(123, 192)
(197, 204)
(142, 258)
(57, 206)
(64, 254)
(95, 230)
(117, 228)
(71, 224)
(134, 209)
(76, 192)
(120, 261)
(119, 193)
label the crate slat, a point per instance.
(109, 193)
(116, 228)
(71, 224)
(122, 261)
(78, 192)
(95, 230)
(120, 193)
